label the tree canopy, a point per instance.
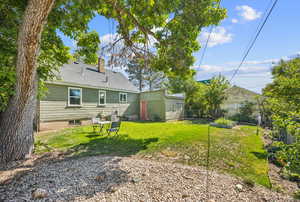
(172, 25)
(31, 47)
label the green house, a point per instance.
(83, 91)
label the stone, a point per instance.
(136, 180)
(39, 194)
(239, 187)
(100, 178)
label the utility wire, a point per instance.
(254, 40)
(208, 38)
(259, 24)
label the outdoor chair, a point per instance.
(114, 127)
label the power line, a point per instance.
(254, 40)
(208, 38)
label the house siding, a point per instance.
(155, 104)
(54, 106)
(172, 113)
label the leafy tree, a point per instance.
(245, 113)
(27, 25)
(215, 95)
(87, 47)
(136, 73)
(144, 77)
(283, 99)
(195, 101)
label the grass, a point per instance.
(236, 151)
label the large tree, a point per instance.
(144, 77)
(283, 95)
(173, 25)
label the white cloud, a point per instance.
(234, 20)
(256, 62)
(248, 13)
(218, 36)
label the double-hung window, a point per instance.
(123, 97)
(74, 96)
(102, 97)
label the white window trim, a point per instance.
(101, 91)
(74, 105)
(120, 97)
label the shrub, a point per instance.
(245, 114)
(297, 194)
(223, 123)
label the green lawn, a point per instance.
(236, 151)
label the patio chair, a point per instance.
(114, 127)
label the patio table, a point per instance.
(102, 124)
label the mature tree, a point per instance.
(154, 79)
(30, 22)
(283, 95)
(195, 101)
(283, 101)
(87, 47)
(216, 95)
(144, 77)
(136, 73)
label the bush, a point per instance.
(286, 156)
(223, 123)
(245, 114)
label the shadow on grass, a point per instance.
(120, 145)
(260, 155)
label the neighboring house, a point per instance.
(159, 105)
(236, 96)
(84, 91)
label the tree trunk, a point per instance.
(16, 123)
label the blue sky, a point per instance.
(280, 38)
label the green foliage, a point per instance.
(289, 156)
(173, 25)
(195, 101)
(245, 114)
(283, 99)
(201, 100)
(223, 121)
(87, 47)
(297, 195)
(144, 77)
(215, 95)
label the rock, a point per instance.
(39, 193)
(184, 196)
(99, 178)
(239, 187)
(186, 157)
(136, 180)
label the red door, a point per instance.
(143, 110)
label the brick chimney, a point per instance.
(101, 64)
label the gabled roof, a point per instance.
(88, 75)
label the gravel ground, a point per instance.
(128, 179)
